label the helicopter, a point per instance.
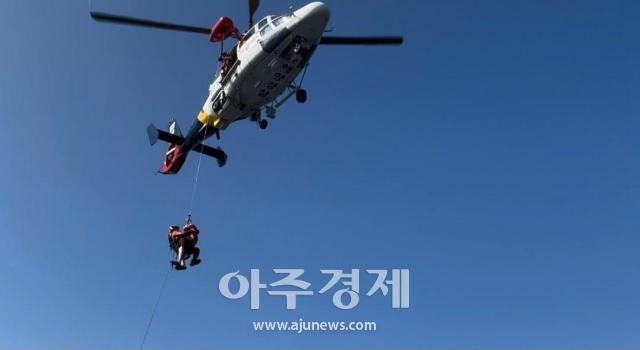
(257, 74)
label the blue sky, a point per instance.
(495, 155)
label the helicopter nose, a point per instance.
(315, 14)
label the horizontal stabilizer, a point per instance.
(153, 134)
(216, 153)
(157, 134)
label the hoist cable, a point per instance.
(195, 182)
(155, 308)
(164, 281)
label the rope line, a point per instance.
(155, 308)
(166, 276)
(195, 183)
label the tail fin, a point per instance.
(174, 157)
(174, 128)
(174, 137)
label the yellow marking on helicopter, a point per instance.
(211, 120)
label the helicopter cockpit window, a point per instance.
(277, 21)
(266, 30)
(263, 23)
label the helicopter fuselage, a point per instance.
(263, 65)
(259, 68)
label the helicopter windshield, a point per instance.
(266, 30)
(269, 23)
(276, 21)
(262, 27)
(263, 23)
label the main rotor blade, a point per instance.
(361, 40)
(253, 7)
(107, 17)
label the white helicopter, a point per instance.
(256, 74)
